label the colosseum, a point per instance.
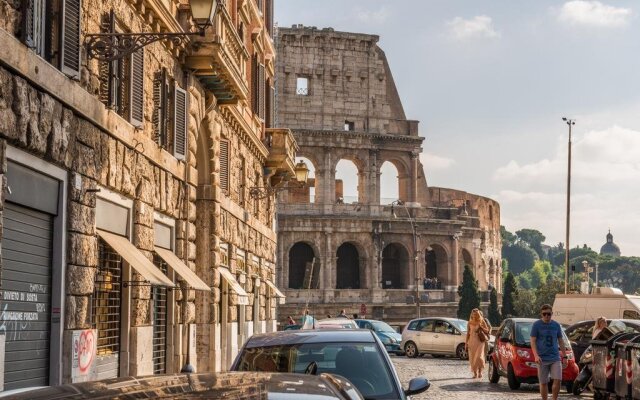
(386, 258)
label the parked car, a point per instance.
(235, 385)
(435, 336)
(356, 354)
(512, 356)
(387, 335)
(580, 333)
(335, 323)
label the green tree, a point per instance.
(494, 313)
(533, 238)
(521, 257)
(508, 238)
(546, 294)
(509, 295)
(525, 304)
(469, 295)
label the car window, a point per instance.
(630, 314)
(460, 324)
(580, 333)
(523, 332)
(506, 330)
(413, 325)
(345, 359)
(380, 326)
(443, 327)
(426, 325)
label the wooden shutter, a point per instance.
(254, 84)
(159, 117)
(70, 38)
(270, 105)
(180, 123)
(33, 25)
(261, 91)
(136, 88)
(224, 165)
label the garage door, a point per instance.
(26, 295)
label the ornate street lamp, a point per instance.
(416, 252)
(301, 174)
(115, 46)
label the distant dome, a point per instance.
(610, 248)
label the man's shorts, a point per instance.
(549, 368)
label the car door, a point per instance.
(503, 346)
(443, 337)
(424, 335)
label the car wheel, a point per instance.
(461, 352)
(411, 350)
(494, 377)
(511, 378)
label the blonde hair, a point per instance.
(476, 316)
(599, 320)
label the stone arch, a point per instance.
(395, 266)
(467, 259)
(302, 265)
(436, 260)
(402, 178)
(350, 159)
(307, 193)
(348, 267)
(389, 183)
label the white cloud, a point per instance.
(594, 13)
(378, 16)
(611, 155)
(432, 162)
(478, 26)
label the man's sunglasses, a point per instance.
(547, 314)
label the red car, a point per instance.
(512, 356)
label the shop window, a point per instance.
(159, 321)
(105, 302)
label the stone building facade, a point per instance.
(337, 93)
(130, 244)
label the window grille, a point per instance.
(160, 321)
(105, 302)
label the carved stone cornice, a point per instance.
(363, 135)
(244, 131)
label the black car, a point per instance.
(227, 385)
(356, 354)
(580, 333)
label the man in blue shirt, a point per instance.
(546, 337)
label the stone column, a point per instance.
(455, 261)
(413, 194)
(374, 179)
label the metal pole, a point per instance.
(416, 254)
(567, 246)
(596, 275)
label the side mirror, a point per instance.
(417, 385)
(505, 340)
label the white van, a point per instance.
(610, 303)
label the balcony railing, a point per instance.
(220, 61)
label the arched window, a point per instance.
(303, 272)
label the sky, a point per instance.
(490, 81)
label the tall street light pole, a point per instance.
(570, 123)
(416, 252)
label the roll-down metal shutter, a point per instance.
(26, 295)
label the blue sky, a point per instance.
(489, 82)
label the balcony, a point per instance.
(280, 164)
(219, 61)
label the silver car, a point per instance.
(435, 336)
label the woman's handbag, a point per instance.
(482, 335)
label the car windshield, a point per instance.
(380, 326)
(460, 324)
(361, 363)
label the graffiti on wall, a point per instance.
(84, 349)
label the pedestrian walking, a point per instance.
(307, 321)
(342, 314)
(476, 341)
(600, 324)
(290, 320)
(546, 337)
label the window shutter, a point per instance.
(254, 84)
(136, 89)
(224, 165)
(180, 103)
(33, 25)
(261, 92)
(70, 38)
(270, 105)
(159, 117)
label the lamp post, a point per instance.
(570, 123)
(416, 252)
(114, 46)
(301, 175)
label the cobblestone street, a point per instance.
(451, 380)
